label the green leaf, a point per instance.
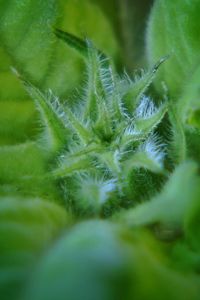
(27, 37)
(17, 122)
(52, 115)
(188, 103)
(23, 171)
(82, 132)
(69, 166)
(191, 224)
(100, 77)
(148, 159)
(27, 227)
(137, 88)
(174, 29)
(78, 44)
(178, 146)
(80, 266)
(104, 261)
(172, 204)
(147, 116)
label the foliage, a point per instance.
(173, 30)
(99, 188)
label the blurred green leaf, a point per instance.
(174, 29)
(171, 206)
(23, 171)
(98, 260)
(29, 40)
(26, 228)
(88, 262)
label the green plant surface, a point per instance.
(41, 57)
(27, 227)
(129, 23)
(188, 103)
(173, 29)
(180, 192)
(81, 259)
(35, 52)
(129, 266)
(17, 122)
(99, 187)
(23, 171)
(99, 144)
